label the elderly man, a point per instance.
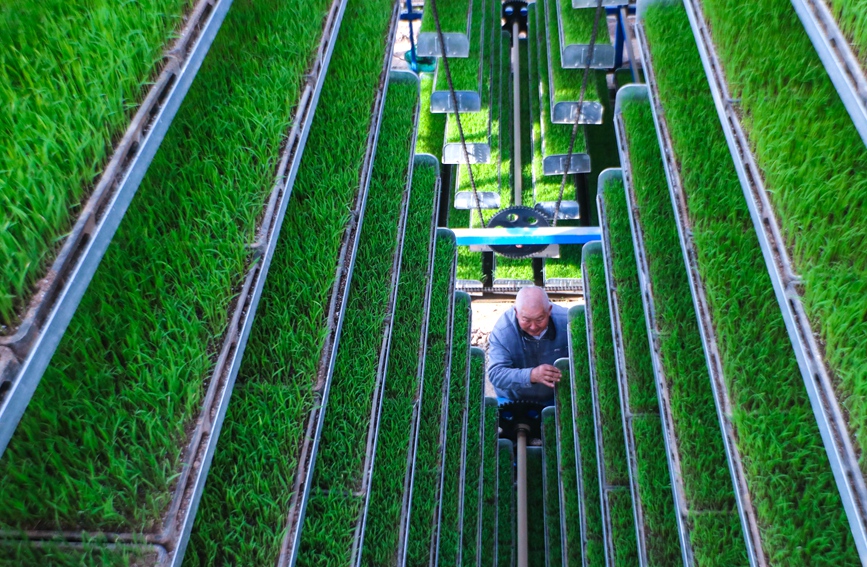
(523, 346)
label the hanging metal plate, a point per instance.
(465, 200)
(428, 45)
(567, 113)
(575, 57)
(592, 3)
(468, 101)
(569, 210)
(454, 153)
(556, 164)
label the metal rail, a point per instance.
(25, 354)
(722, 398)
(831, 418)
(178, 522)
(336, 313)
(574, 56)
(620, 363)
(663, 391)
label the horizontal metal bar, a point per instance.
(593, 3)
(556, 164)
(527, 236)
(457, 45)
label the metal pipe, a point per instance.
(516, 114)
(522, 497)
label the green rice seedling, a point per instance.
(535, 509)
(622, 528)
(776, 431)
(577, 24)
(342, 458)
(572, 505)
(452, 16)
(601, 145)
(490, 485)
(567, 82)
(654, 486)
(466, 71)
(101, 444)
(706, 480)
(505, 505)
(513, 268)
(594, 552)
(473, 480)
(91, 555)
(428, 466)
(431, 127)
(383, 528)
(450, 526)
(71, 77)
(553, 546)
(850, 17)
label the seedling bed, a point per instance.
(570, 481)
(506, 512)
(40, 300)
(575, 27)
(466, 72)
(455, 20)
(473, 472)
(535, 509)
(551, 490)
(490, 486)
(172, 533)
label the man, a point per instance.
(523, 346)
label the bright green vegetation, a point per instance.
(62, 118)
(431, 127)
(513, 268)
(850, 17)
(577, 24)
(817, 188)
(552, 490)
(613, 445)
(142, 344)
(92, 555)
(469, 263)
(584, 429)
(450, 523)
(706, 479)
(569, 472)
(505, 506)
(465, 71)
(601, 145)
(623, 528)
(654, 486)
(535, 508)
(776, 430)
(489, 485)
(401, 382)
(452, 15)
(425, 494)
(243, 512)
(473, 479)
(567, 82)
(341, 457)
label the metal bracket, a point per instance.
(457, 45)
(567, 113)
(556, 164)
(478, 153)
(465, 200)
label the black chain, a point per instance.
(454, 96)
(592, 47)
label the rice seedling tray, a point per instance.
(722, 399)
(466, 73)
(505, 555)
(474, 479)
(837, 55)
(574, 39)
(439, 413)
(336, 312)
(551, 483)
(455, 20)
(834, 425)
(84, 554)
(490, 486)
(26, 349)
(171, 540)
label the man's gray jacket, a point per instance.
(512, 354)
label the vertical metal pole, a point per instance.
(523, 556)
(516, 112)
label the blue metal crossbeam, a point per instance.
(526, 236)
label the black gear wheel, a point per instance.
(521, 412)
(518, 217)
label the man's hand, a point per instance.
(545, 374)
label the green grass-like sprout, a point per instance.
(553, 546)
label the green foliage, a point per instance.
(623, 528)
(577, 24)
(569, 471)
(101, 444)
(535, 509)
(431, 127)
(567, 82)
(489, 485)
(91, 555)
(505, 506)
(452, 16)
(72, 75)
(850, 17)
(601, 145)
(472, 477)
(553, 545)
(465, 71)
(800, 515)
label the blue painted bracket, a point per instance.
(526, 236)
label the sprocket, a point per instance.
(518, 217)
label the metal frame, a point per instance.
(200, 450)
(672, 452)
(574, 313)
(574, 56)
(25, 355)
(620, 363)
(830, 416)
(722, 398)
(336, 312)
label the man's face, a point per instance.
(534, 320)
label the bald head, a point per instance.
(533, 310)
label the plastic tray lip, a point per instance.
(672, 451)
(337, 310)
(620, 365)
(199, 453)
(603, 54)
(26, 353)
(835, 51)
(830, 416)
(722, 399)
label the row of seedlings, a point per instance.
(118, 442)
(575, 29)
(431, 126)
(455, 18)
(506, 512)
(655, 522)
(450, 524)
(390, 491)
(333, 525)
(772, 437)
(473, 473)
(704, 500)
(536, 544)
(466, 72)
(251, 507)
(77, 144)
(811, 241)
(618, 526)
(490, 484)
(426, 464)
(551, 486)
